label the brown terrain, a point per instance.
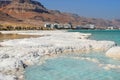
(30, 14)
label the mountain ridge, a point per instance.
(31, 12)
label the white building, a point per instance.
(110, 28)
(90, 26)
(57, 26)
(47, 25)
(67, 26)
(87, 26)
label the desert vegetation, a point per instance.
(21, 27)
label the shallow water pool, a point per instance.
(15, 36)
(92, 66)
(75, 67)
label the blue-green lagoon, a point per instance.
(111, 35)
(92, 66)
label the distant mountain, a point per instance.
(34, 13)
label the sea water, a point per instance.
(111, 35)
(15, 36)
(92, 66)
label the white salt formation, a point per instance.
(114, 53)
(7, 77)
(17, 54)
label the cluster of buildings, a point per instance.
(87, 26)
(57, 26)
(112, 28)
(69, 26)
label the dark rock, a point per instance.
(23, 64)
(22, 1)
(5, 56)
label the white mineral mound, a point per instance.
(6, 77)
(114, 53)
(15, 53)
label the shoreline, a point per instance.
(29, 51)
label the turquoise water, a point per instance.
(112, 35)
(70, 69)
(79, 66)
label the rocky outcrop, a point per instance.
(21, 6)
(114, 53)
(21, 1)
(4, 3)
(6, 17)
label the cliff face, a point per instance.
(31, 12)
(22, 6)
(6, 17)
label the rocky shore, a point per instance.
(17, 54)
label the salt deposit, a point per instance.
(7, 77)
(114, 53)
(18, 53)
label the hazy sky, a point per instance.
(108, 9)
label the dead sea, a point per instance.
(29, 51)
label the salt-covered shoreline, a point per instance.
(17, 54)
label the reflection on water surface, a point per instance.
(15, 36)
